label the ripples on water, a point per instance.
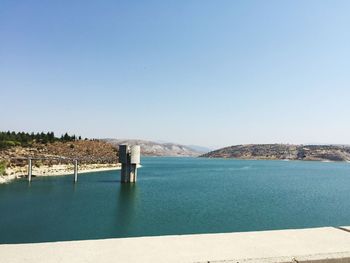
(177, 196)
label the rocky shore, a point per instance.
(327, 153)
(17, 172)
(56, 158)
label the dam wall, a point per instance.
(321, 245)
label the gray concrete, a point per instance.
(343, 257)
(129, 157)
(30, 169)
(135, 154)
(321, 245)
(75, 171)
(345, 228)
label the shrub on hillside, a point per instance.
(2, 168)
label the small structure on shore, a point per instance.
(129, 157)
(30, 166)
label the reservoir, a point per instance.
(177, 196)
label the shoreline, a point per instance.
(284, 160)
(13, 173)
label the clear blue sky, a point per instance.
(212, 73)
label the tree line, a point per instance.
(9, 139)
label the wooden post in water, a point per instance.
(75, 171)
(29, 169)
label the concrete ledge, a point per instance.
(319, 258)
(321, 245)
(345, 228)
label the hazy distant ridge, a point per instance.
(149, 148)
(283, 151)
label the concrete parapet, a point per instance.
(316, 245)
(342, 257)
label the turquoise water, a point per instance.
(177, 196)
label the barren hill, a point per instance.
(87, 151)
(149, 148)
(283, 151)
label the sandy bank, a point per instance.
(13, 173)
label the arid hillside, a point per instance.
(86, 151)
(283, 151)
(149, 148)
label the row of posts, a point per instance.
(30, 170)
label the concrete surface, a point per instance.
(321, 245)
(346, 228)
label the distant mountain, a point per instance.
(150, 148)
(283, 151)
(200, 149)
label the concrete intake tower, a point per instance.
(129, 157)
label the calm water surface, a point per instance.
(177, 196)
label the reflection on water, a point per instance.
(126, 208)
